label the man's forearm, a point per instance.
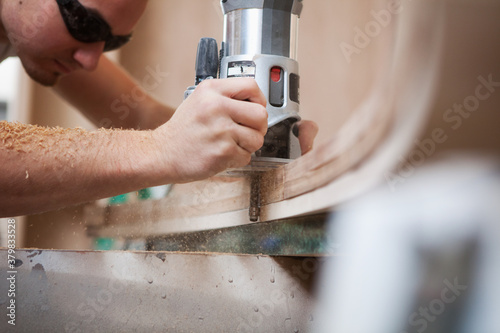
(45, 169)
(110, 98)
(218, 127)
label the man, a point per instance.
(221, 124)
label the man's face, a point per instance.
(43, 43)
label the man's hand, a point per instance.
(218, 127)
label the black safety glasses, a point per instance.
(87, 26)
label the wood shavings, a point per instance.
(24, 138)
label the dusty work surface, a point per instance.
(300, 236)
(68, 291)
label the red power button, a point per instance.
(276, 74)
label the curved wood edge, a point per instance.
(357, 158)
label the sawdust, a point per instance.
(24, 138)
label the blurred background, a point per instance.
(332, 83)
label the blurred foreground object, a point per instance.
(423, 258)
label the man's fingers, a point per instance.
(243, 89)
(250, 115)
(248, 139)
(306, 131)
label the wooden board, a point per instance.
(380, 133)
(354, 159)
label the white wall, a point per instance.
(13, 84)
(9, 78)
